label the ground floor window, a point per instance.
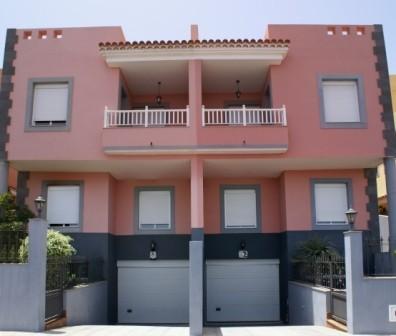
(154, 209)
(64, 204)
(240, 207)
(330, 200)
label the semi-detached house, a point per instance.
(195, 168)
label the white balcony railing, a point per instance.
(244, 116)
(147, 117)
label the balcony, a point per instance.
(146, 131)
(222, 130)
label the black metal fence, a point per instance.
(379, 257)
(64, 272)
(327, 271)
(10, 242)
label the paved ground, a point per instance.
(183, 331)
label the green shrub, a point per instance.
(314, 248)
(58, 245)
(12, 216)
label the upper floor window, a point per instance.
(154, 209)
(64, 206)
(49, 104)
(342, 102)
(330, 201)
(240, 208)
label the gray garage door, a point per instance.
(153, 291)
(242, 290)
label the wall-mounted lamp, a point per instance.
(39, 202)
(153, 250)
(243, 253)
(238, 92)
(351, 217)
(158, 99)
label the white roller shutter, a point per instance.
(50, 102)
(242, 290)
(240, 208)
(331, 202)
(155, 209)
(341, 103)
(63, 205)
(153, 291)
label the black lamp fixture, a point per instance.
(158, 99)
(351, 216)
(238, 92)
(242, 253)
(153, 250)
(39, 202)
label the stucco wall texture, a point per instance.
(109, 204)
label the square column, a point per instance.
(195, 93)
(196, 249)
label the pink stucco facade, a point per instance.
(307, 150)
(196, 152)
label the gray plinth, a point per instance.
(196, 288)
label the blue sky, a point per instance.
(170, 19)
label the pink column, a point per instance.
(197, 207)
(195, 92)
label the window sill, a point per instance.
(329, 227)
(241, 230)
(57, 128)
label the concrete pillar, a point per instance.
(3, 176)
(196, 288)
(390, 177)
(354, 277)
(196, 249)
(37, 270)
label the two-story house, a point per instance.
(195, 168)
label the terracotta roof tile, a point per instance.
(239, 43)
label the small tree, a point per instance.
(58, 245)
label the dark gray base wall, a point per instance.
(111, 248)
(280, 246)
(100, 245)
(290, 242)
(216, 246)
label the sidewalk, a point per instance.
(183, 331)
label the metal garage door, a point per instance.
(242, 290)
(153, 291)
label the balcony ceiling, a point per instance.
(217, 76)
(155, 168)
(144, 64)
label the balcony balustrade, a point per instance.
(244, 116)
(146, 117)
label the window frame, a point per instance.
(257, 189)
(361, 101)
(137, 191)
(54, 183)
(29, 104)
(349, 191)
